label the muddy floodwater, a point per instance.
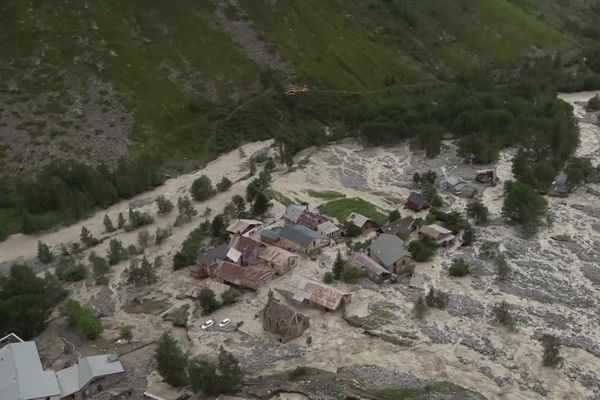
(553, 285)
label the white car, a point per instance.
(225, 322)
(207, 324)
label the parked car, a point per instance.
(207, 324)
(225, 322)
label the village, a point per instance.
(328, 278)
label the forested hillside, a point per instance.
(173, 84)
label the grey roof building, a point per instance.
(293, 213)
(212, 256)
(22, 376)
(300, 234)
(388, 250)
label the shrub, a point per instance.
(503, 315)
(126, 333)
(208, 301)
(224, 184)
(394, 216)
(121, 221)
(477, 210)
(459, 268)
(350, 274)
(503, 269)
(116, 252)
(594, 103)
(551, 350)
(108, 224)
(144, 239)
(436, 298)
(231, 296)
(87, 238)
(70, 270)
(423, 249)
(138, 219)
(161, 235)
(82, 319)
(468, 236)
(99, 264)
(420, 308)
(328, 277)
(202, 188)
(44, 255)
(140, 273)
(165, 206)
(352, 230)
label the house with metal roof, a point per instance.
(311, 292)
(403, 226)
(459, 187)
(249, 249)
(390, 251)
(370, 268)
(329, 229)
(269, 236)
(300, 238)
(243, 277)
(442, 236)
(293, 213)
(360, 221)
(22, 376)
(244, 227)
(282, 321)
(279, 259)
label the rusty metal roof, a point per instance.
(305, 288)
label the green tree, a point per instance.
(579, 171)
(430, 193)
(338, 266)
(477, 210)
(502, 269)
(140, 273)
(87, 238)
(99, 264)
(329, 277)
(70, 270)
(44, 255)
(27, 301)
(468, 236)
(186, 211)
(144, 239)
(217, 227)
(202, 188)
(523, 205)
(594, 103)
(203, 376)
(423, 249)
(116, 252)
(224, 377)
(208, 301)
(165, 206)
(138, 219)
(350, 274)
(351, 230)
(261, 204)
(224, 184)
(126, 333)
(394, 216)
(161, 235)
(459, 268)
(82, 319)
(121, 221)
(108, 224)
(240, 205)
(191, 246)
(420, 308)
(171, 361)
(231, 296)
(551, 350)
(230, 373)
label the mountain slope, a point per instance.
(106, 79)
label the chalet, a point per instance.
(370, 268)
(282, 321)
(279, 259)
(329, 229)
(417, 202)
(390, 251)
(243, 277)
(314, 293)
(249, 249)
(487, 177)
(403, 226)
(244, 227)
(300, 238)
(364, 223)
(22, 376)
(269, 236)
(293, 213)
(442, 236)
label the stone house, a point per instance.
(442, 236)
(282, 261)
(285, 323)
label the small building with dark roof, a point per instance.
(269, 236)
(390, 251)
(403, 226)
(417, 202)
(249, 248)
(369, 267)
